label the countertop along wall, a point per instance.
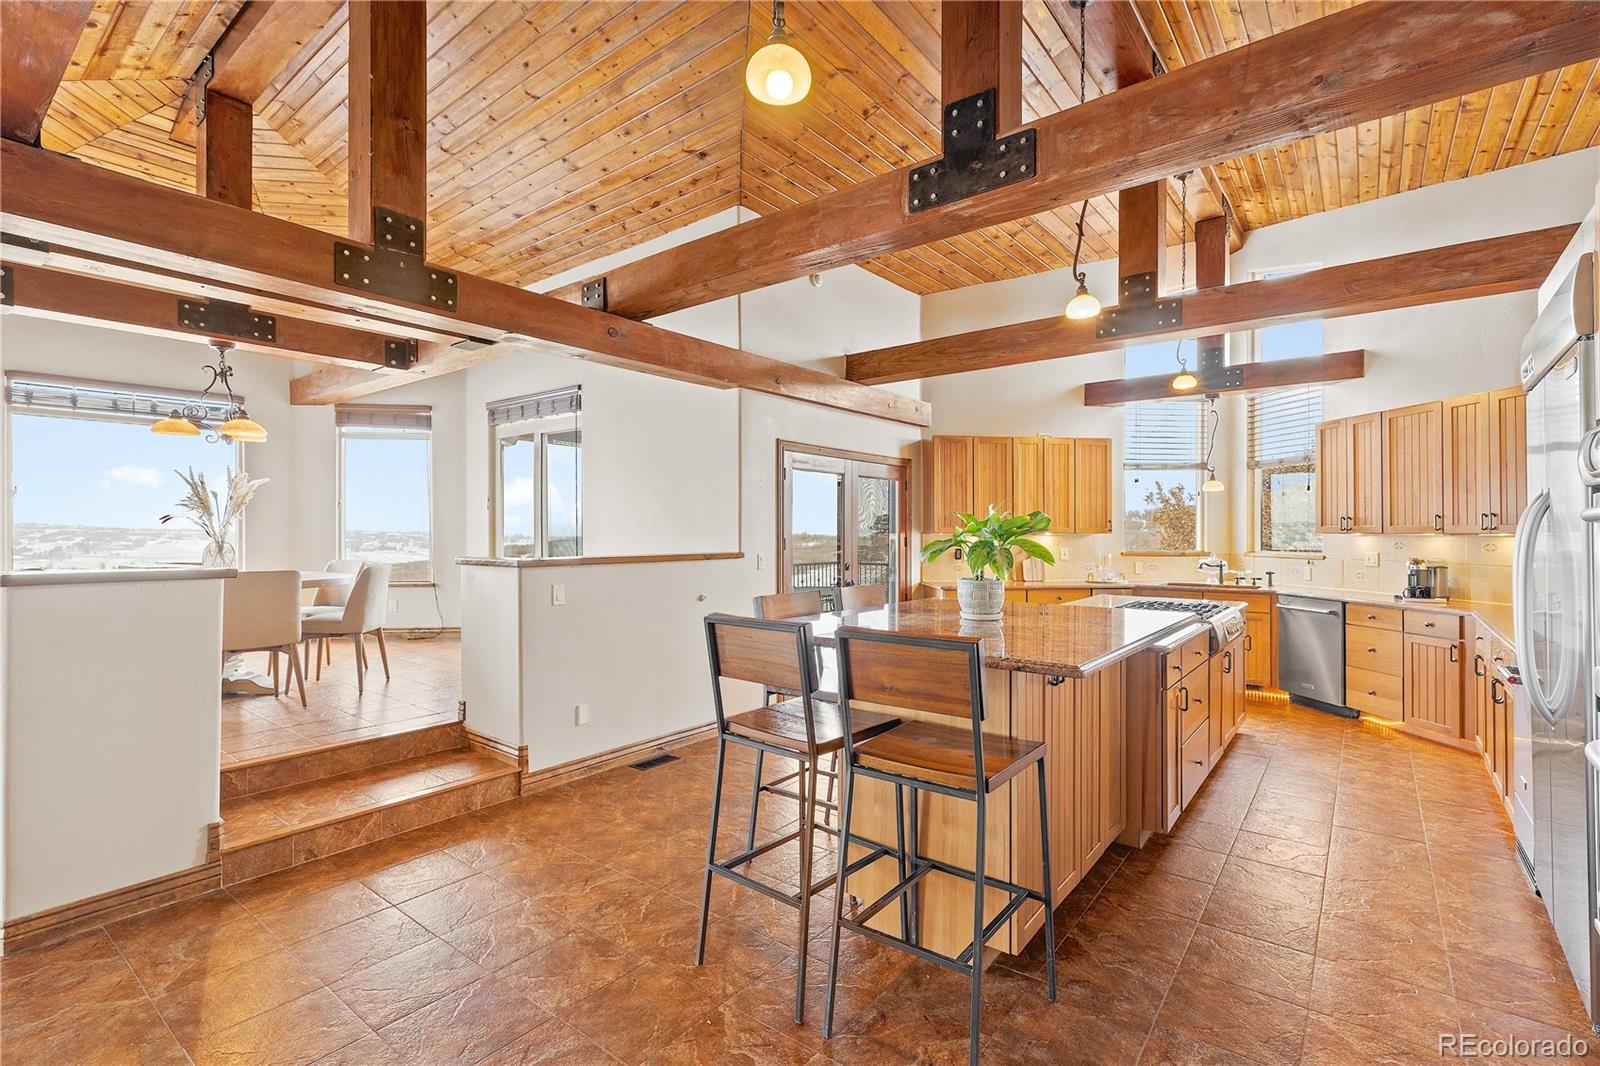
(1414, 355)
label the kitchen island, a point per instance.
(1082, 677)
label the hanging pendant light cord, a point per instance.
(1083, 65)
(778, 23)
(1183, 256)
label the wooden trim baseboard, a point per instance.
(214, 842)
(565, 773)
(491, 746)
(60, 922)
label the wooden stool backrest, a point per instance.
(863, 597)
(770, 652)
(800, 604)
(939, 675)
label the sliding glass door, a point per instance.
(844, 521)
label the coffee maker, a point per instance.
(1424, 581)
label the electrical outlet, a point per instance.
(1308, 572)
(581, 714)
(1372, 559)
(394, 605)
(558, 595)
(1138, 567)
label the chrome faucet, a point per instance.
(1219, 565)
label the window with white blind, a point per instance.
(538, 500)
(1163, 465)
(1282, 457)
(385, 488)
(89, 483)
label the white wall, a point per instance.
(109, 775)
(1415, 354)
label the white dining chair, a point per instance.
(261, 612)
(330, 596)
(364, 612)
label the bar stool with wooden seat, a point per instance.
(934, 677)
(778, 655)
(863, 597)
(803, 603)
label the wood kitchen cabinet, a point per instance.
(1466, 463)
(1433, 684)
(1259, 658)
(1350, 475)
(1413, 469)
(1508, 458)
(1227, 696)
(1092, 485)
(1068, 478)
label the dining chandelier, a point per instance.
(190, 419)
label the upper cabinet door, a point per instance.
(991, 474)
(1333, 475)
(1057, 461)
(1027, 474)
(1366, 474)
(1466, 464)
(1413, 473)
(1092, 489)
(952, 481)
(1508, 458)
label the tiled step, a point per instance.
(297, 768)
(282, 827)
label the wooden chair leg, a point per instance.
(299, 676)
(361, 668)
(327, 650)
(383, 653)
(272, 670)
(305, 652)
(322, 646)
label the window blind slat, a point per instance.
(383, 416)
(567, 401)
(1283, 426)
(1164, 433)
(43, 395)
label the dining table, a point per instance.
(237, 679)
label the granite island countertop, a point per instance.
(1061, 640)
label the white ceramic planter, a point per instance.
(982, 599)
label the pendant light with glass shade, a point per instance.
(1212, 484)
(778, 73)
(190, 419)
(1083, 304)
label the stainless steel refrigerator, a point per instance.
(1554, 600)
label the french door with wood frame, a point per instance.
(843, 520)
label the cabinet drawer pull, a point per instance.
(1483, 520)
(1227, 661)
(1372, 692)
(1427, 625)
(1477, 666)
(1183, 697)
(1453, 655)
(1372, 651)
(1494, 520)
(1438, 523)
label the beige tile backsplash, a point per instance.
(1479, 567)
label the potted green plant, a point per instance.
(990, 545)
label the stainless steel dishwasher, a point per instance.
(1311, 652)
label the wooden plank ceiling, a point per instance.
(564, 131)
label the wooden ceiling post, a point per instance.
(36, 44)
(388, 112)
(1211, 269)
(1487, 267)
(981, 48)
(222, 165)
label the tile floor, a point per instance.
(424, 690)
(1337, 894)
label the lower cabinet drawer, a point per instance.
(1373, 650)
(1374, 693)
(1195, 760)
(1193, 706)
(1058, 595)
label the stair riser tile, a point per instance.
(313, 766)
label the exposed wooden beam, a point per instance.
(66, 202)
(74, 298)
(388, 111)
(1310, 370)
(1365, 63)
(36, 44)
(1211, 270)
(1486, 267)
(258, 44)
(222, 169)
(981, 48)
(1142, 234)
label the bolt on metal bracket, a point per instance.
(974, 161)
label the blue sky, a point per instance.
(72, 471)
(816, 502)
(386, 484)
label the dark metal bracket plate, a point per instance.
(1229, 377)
(1137, 310)
(593, 294)
(974, 161)
(391, 229)
(225, 318)
(8, 286)
(399, 354)
(392, 273)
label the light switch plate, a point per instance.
(1372, 559)
(558, 595)
(581, 714)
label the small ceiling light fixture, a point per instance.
(1083, 304)
(190, 419)
(1212, 484)
(777, 73)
